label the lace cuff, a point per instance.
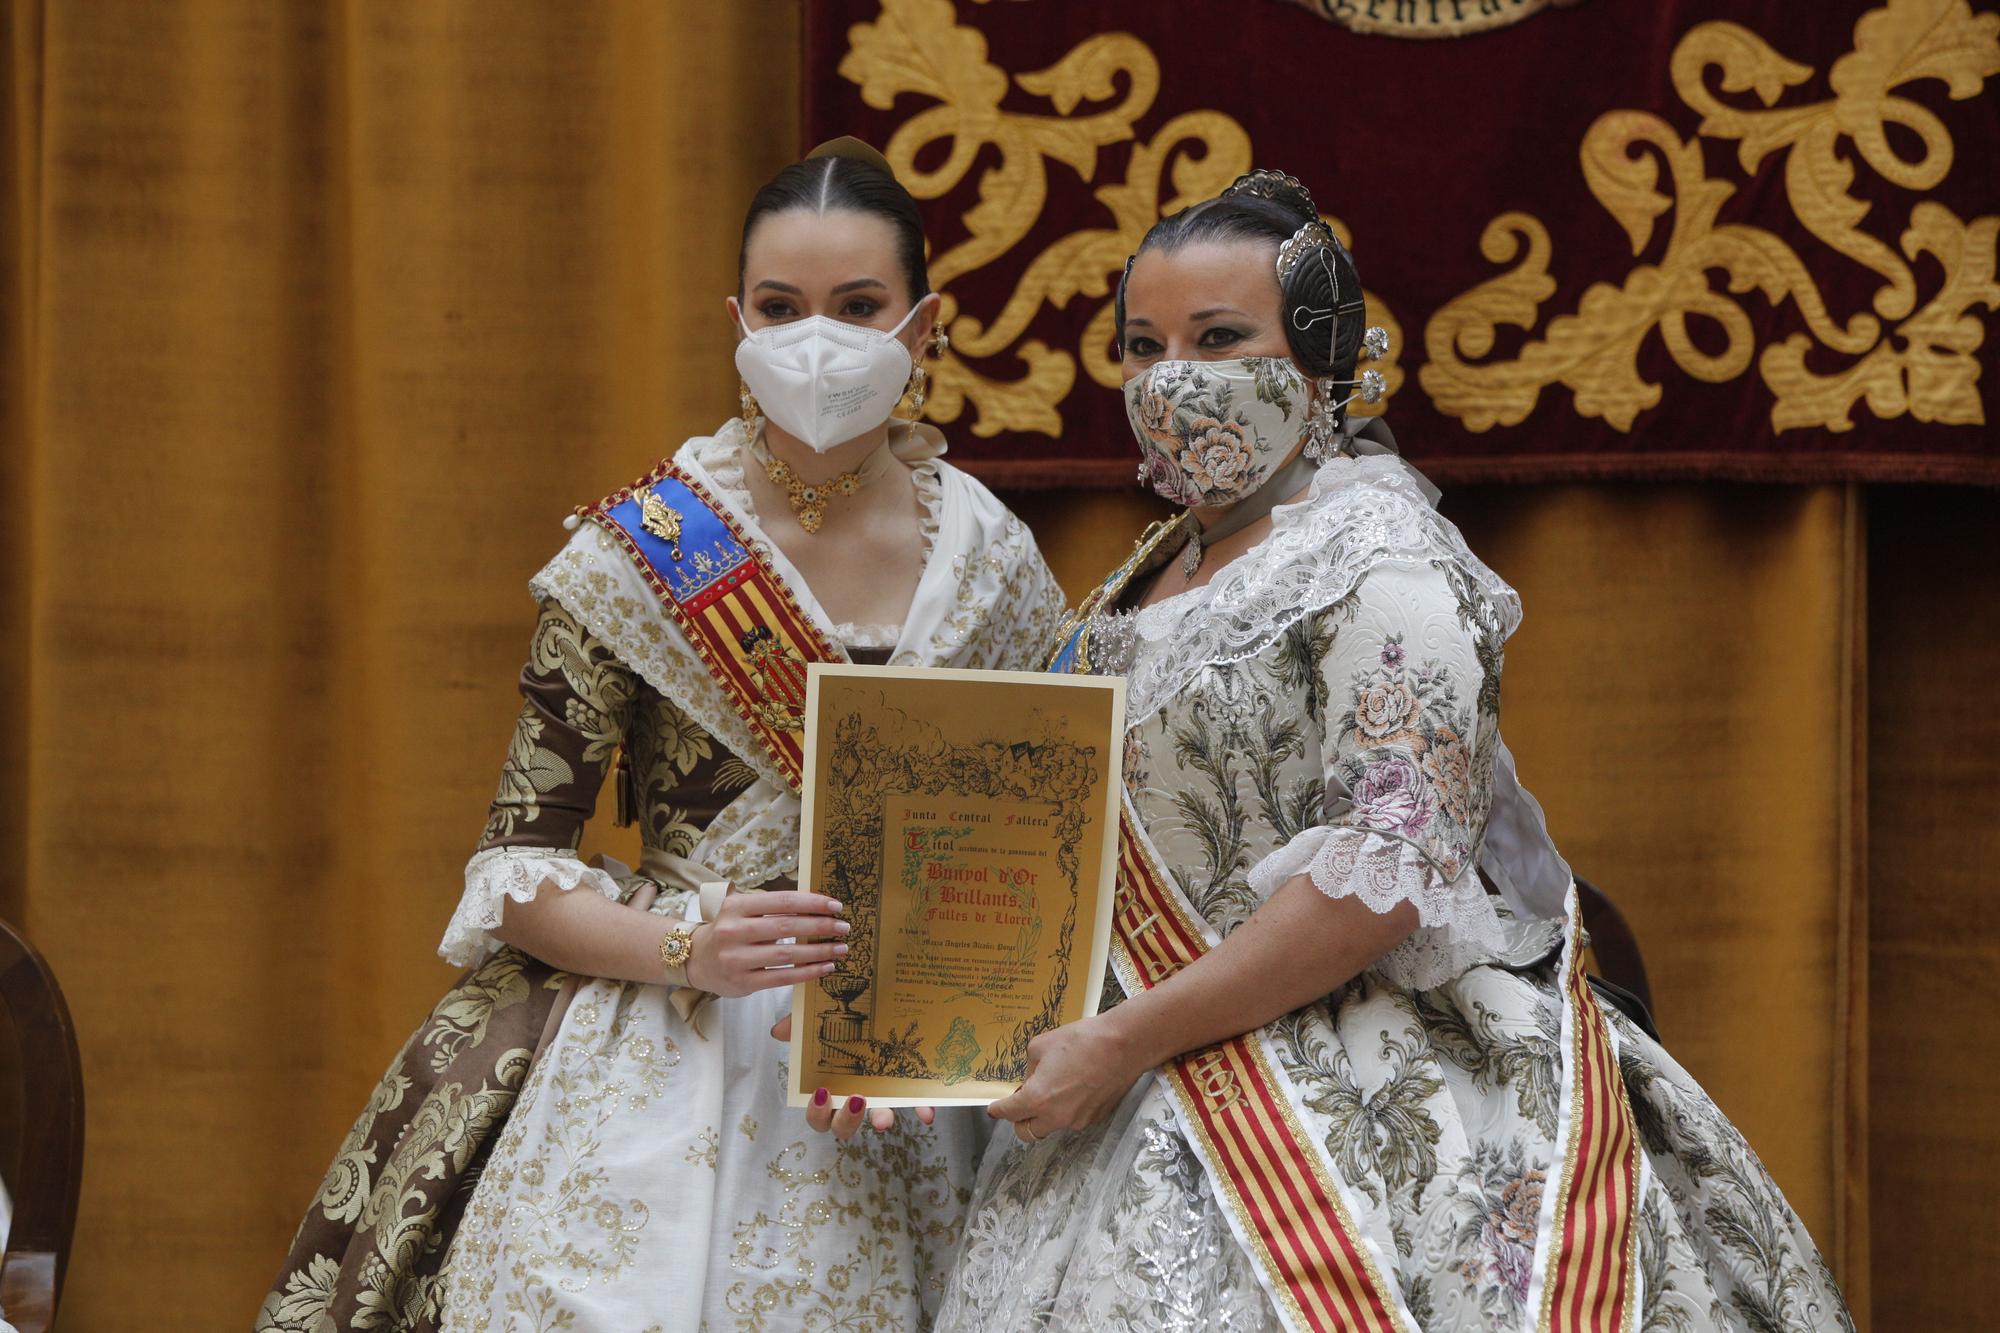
(500, 875)
(1457, 929)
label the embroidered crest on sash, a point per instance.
(658, 517)
(740, 617)
(781, 674)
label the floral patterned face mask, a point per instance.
(1212, 432)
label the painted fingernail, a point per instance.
(840, 951)
(819, 1098)
(854, 1105)
(825, 968)
(832, 905)
(841, 927)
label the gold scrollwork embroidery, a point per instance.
(1924, 366)
(917, 46)
(1215, 1080)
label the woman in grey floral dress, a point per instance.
(1313, 753)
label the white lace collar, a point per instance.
(1358, 513)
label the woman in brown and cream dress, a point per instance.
(582, 1134)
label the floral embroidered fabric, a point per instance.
(580, 703)
(634, 1174)
(1407, 767)
(1329, 706)
(1359, 513)
(1364, 733)
(1214, 431)
(653, 1177)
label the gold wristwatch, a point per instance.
(676, 950)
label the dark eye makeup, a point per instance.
(860, 308)
(1211, 339)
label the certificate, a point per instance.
(969, 821)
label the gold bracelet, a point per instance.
(676, 951)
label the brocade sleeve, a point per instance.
(1410, 675)
(579, 705)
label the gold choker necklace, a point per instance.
(808, 501)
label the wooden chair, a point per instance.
(1613, 945)
(51, 1171)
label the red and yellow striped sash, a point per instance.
(1288, 1207)
(1296, 1218)
(741, 618)
(1586, 1272)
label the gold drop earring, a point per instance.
(919, 377)
(746, 403)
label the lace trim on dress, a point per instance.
(850, 635)
(595, 581)
(500, 875)
(722, 454)
(930, 493)
(1459, 927)
(1359, 513)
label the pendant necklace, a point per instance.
(1290, 478)
(809, 499)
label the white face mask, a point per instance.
(1211, 432)
(824, 381)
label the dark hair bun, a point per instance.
(1319, 290)
(853, 150)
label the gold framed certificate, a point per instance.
(969, 821)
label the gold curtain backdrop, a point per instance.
(318, 318)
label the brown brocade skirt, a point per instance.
(373, 1241)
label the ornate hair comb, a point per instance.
(1276, 186)
(1313, 237)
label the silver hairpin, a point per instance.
(1307, 316)
(1323, 433)
(1370, 386)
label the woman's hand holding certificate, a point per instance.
(1077, 1075)
(761, 940)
